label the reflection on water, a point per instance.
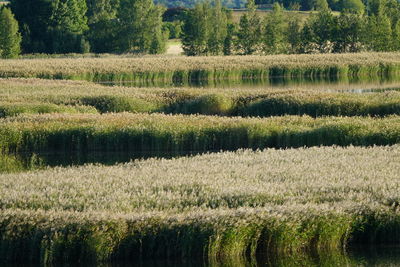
(379, 257)
(376, 256)
(334, 83)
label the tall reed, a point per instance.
(124, 132)
(184, 69)
(215, 207)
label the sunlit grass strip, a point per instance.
(37, 96)
(184, 69)
(13, 109)
(126, 132)
(215, 206)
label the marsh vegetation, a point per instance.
(301, 171)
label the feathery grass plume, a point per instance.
(186, 69)
(154, 133)
(40, 96)
(216, 207)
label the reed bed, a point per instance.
(184, 69)
(216, 206)
(19, 96)
(124, 132)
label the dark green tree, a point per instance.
(10, 38)
(293, 35)
(196, 30)
(67, 25)
(321, 5)
(33, 17)
(140, 27)
(353, 6)
(229, 40)
(274, 32)
(103, 25)
(323, 27)
(396, 37)
(51, 26)
(249, 32)
(378, 33)
(349, 33)
(218, 29)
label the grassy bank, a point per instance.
(184, 69)
(215, 206)
(126, 132)
(18, 96)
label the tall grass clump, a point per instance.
(154, 133)
(39, 96)
(214, 207)
(185, 69)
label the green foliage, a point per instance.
(321, 5)
(55, 26)
(196, 30)
(249, 32)
(10, 38)
(354, 6)
(319, 33)
(274, 37)
(229, 42)
(218, 29)
(174, 29)
(103, 27)
(379, 37)
(350, 32)
(205, 30)
(140, 27)
(293, 35)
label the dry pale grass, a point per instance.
(342, 178)
(118, 65)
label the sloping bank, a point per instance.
(126, 132)
(183, 70)
(215, 207)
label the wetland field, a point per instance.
(204, 161)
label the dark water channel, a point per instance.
(376, 257)
(333, 83)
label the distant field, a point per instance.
(174, 47)
(302, 15)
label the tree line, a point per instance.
(208, 30)
(80, 26)
(140, 26)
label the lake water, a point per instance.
(332, 84)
